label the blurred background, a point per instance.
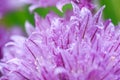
(18, 16)
(112, 10)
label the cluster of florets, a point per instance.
(78, 46)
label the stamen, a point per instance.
(22, 75)
(117, 47)
(30, 51)
(85, 26)
(94, 35)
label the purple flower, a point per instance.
(79, 46)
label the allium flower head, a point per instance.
(77, 47)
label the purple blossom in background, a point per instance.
(58, 3)
(9, 5)
(3, 39)
(5, 36)
(79, 46)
